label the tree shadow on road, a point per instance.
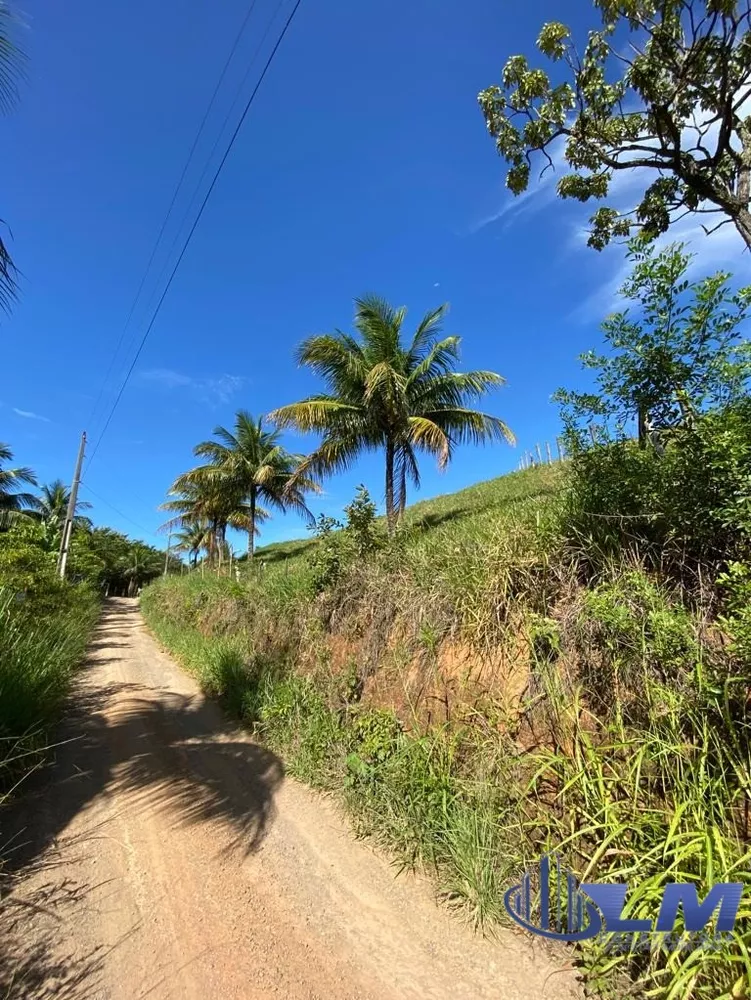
(168, 751)
(153, 750)
(33, 966)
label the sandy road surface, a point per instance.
(176, 861)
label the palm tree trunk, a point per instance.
(211, 552)
(390, 510)
(252, 525)
(402, 490)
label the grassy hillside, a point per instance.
(497, 682)
(468, 507)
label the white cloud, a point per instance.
(541, 192)
(218, 389)
(718, 250)
(534, 199)
(28, 415)
(722, 249)
(168, 378)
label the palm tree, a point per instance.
(14, 503)
(385, 394)
(52, 506)
(143, 563)
(192, 539)
(11, 66)
(249, 465)
(206, 502)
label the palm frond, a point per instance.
(384, 381)
(335, 454)
(313, 414)
(12, 59)
(427, 330)
(337, 359)
(8, 274)
(13, 500)
(12, 66)
(464, 426)
(456, 388)
(437, 361)
(380, 327)
(21, 475)
(427, 434)
(227, 439)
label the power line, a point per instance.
(199, 185)
(175, 195)
(116, 510)
(193, 228)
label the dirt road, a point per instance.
(174, 860)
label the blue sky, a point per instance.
(364, 166)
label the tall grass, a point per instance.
(41, 643)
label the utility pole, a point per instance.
(62, 561)
(166, 555)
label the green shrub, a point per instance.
(736, 587)
(363, 530)
(328, 557)
(685, 506)
(632, 639)
(26, 563)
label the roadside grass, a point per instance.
(44, 632)
(42, 640)
(626, 750)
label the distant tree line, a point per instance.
(31, 525)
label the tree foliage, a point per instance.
(662, 85)
(27, 561)
(30, 534)
(385, 394)
(677, 363)
(14, 500)
(193, 539)
(109, 561)
(674, 352)
(51, 508)
(114, 563)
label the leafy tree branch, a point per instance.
(672, 101)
